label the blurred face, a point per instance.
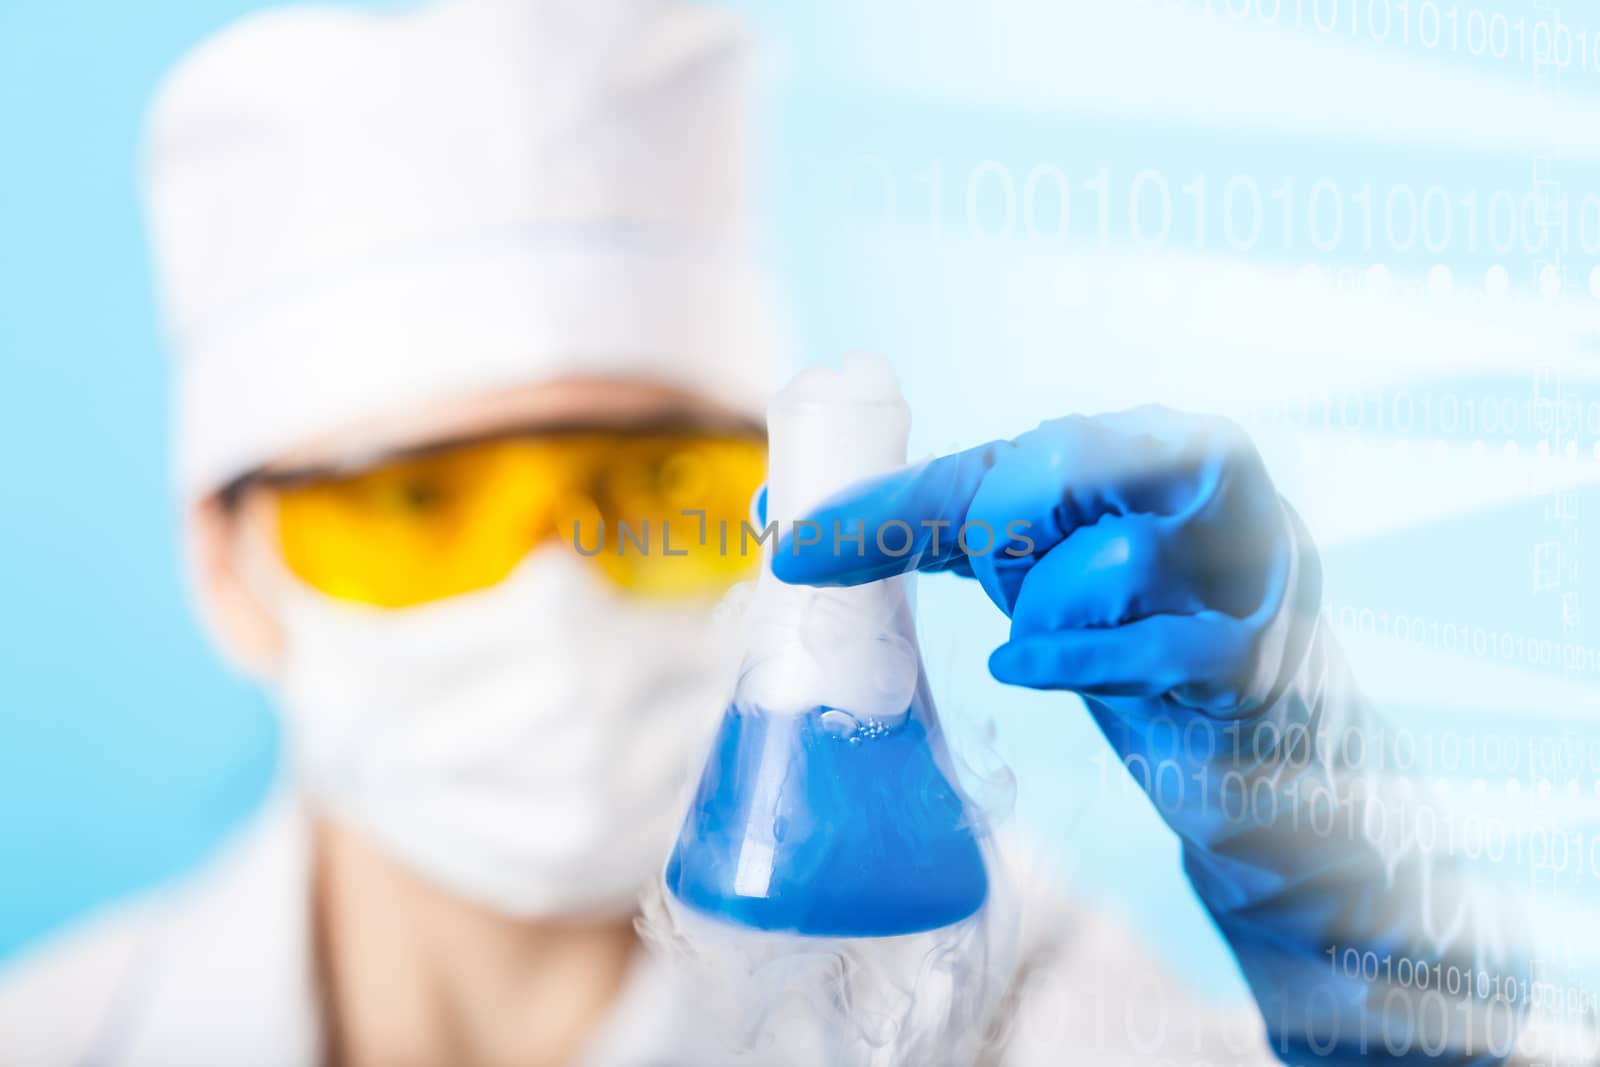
(418, 506)
(476, 672)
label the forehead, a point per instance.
(563, 402)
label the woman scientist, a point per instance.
(440, 283)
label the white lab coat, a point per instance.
(216, 969)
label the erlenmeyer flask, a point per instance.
(827, 805)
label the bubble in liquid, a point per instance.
(839, 723)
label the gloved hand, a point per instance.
(1147, 563)
(1151, 553)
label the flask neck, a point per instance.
(816, 449)
(851, 648)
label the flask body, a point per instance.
(823, 824)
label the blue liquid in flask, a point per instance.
(813, 824)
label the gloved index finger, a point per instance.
(907, 520)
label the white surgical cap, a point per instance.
(355, 211)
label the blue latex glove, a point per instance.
(1154, 570)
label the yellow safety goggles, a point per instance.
(649, 505)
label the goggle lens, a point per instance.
(433, 525)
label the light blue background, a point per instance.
(126, 750)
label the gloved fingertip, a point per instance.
(789, 565)
(809, 564)
(1008, 664)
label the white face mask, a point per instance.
(526, 746)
